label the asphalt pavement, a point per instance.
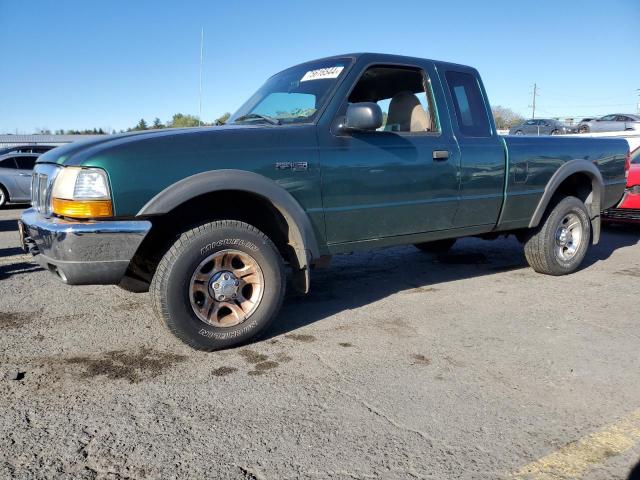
(397, 365)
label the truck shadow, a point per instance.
(8, 225)
(364, 278)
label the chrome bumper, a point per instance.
(82, 253)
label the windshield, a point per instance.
(294, 95)
(635, 156)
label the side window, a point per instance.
(8, 163)
(608, 118)
(26, 163)
(469, 104)
(404, 96)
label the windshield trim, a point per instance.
(351, 60)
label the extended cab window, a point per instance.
(471, 113)
(403, 94)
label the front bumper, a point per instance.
(82, 253)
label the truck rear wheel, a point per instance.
(437, 246)
(560, 243)
(219, 285)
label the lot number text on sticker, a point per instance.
(322, 73)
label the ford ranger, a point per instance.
(331, 156)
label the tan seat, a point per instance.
(407, 115)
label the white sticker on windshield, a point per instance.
(322, 73)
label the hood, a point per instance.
(76, 153)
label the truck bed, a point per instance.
(532, 161)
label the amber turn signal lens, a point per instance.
(82, 208)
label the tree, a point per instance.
(180, 120)
(223, 119)
(157, 123)
(505, 118)
(142, 125)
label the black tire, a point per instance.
(583, 129)
(544, 247)
(555, 132)
(437, 246)
(171, 285)
(4, 196)
(519, 132)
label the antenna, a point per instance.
(201, 59)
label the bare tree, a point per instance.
(505, 117)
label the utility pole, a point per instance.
(535, 94)
(201, 59)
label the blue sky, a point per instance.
(77, 64)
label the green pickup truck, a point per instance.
(331, 156)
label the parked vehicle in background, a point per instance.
(629, 208)
(541, 126)
(40, 149)
(206, 219)
(617, 122)
(15, 177)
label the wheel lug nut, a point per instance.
(226, 276)
(237, 283)
(216, 285)
(221, 297)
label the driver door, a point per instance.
(388, 183)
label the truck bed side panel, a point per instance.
(534, 160)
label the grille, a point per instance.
(41, 184)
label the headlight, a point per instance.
(81, 193)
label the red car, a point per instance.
(629, 208)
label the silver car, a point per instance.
(15, 177)
(540, 126)
(617, 122)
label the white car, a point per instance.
(15, 177)
(617, 122)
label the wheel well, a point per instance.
(577, 185)
(220, 205)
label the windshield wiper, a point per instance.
(257, 116)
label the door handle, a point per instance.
(24, 174)
(440, 155)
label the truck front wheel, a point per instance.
(219, 285)
(560, 243)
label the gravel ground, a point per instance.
(397, 365)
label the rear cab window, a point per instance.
(469, 105)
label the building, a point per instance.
(53, 140)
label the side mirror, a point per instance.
(364, 116)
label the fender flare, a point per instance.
(301, 236)
(593, 202)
